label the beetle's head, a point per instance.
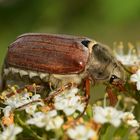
(102, 65)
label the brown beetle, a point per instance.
(60, 60)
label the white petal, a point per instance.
(50, 125)
(39, 115)
(138, 72)
(80, 107)
(38, 122)
(73, 91)
(69, 111)
(115, 122)
(58, 122)
(52, 113)
(138, 85)
(59, 106)
(7, 111)
(81, 132)
(72, 133)
(30, 109)
(99, 115)
(99, 119)
(10, 132)
(127, 116)
(133, 123)
(91, 133)
(134, 78)
(16, 129)
(36, 97)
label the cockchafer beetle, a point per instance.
(60, 60)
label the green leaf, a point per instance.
(107, 132)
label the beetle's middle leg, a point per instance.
(60, 90)
(86, 88)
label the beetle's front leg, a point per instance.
(112, 97)
(119, 86)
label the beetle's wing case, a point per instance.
(58, 54)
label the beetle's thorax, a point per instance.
(102, 65)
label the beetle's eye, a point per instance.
(113, 77)
(85, 43)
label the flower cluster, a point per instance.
(49, 120)
(10, 132)
(129, 119)
(42, 115)
(25, 114)
(81, 132)
(18, 100)
(107, 114)
(136, 78)
(69, 102)
(113, 116)
(130, 58)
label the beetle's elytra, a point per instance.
(48, 53)
(62, 58)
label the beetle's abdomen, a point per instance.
(48, 53)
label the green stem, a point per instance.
(29, 129)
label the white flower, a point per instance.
(10, 132)
(38, 119)
(136, 78)
(107, 115)
(30, 109)
(52, 113)
(69, 102)
(19, 100)
(130, 58)
(67, 94)
(81, 132)
(54, 123)
(49, 120)
(35, 97)
(129, 119)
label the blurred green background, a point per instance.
(103, 20)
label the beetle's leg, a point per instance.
(87, 95)
(53, 94)
(59, 90)
(119, 86)
(86, 88)
(112, 97)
